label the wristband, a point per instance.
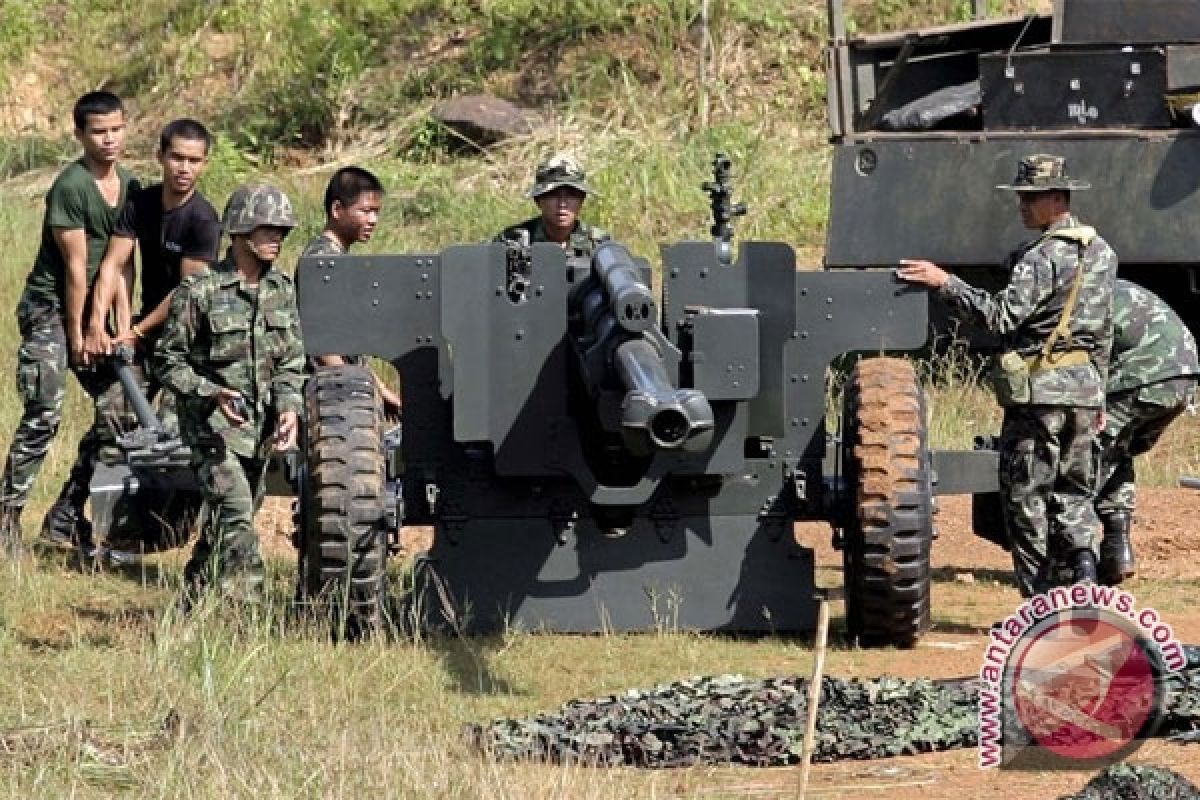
(137, 331)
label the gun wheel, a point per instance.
(343, 547)
(888, 536)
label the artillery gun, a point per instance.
(592, 456)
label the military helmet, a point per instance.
(1042, 173)
(559, 170)
(257, 205)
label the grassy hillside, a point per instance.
(264, 707)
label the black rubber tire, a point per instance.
(889, 527)
(344, 550)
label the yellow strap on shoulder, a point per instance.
(1082, 235)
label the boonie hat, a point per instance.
(1042, 173)
(559, 170)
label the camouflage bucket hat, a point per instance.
(257, 205)
(1042, 173)
(556, 171)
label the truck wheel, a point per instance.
(343, 546)
(889, 524)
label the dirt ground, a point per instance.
(972, 589)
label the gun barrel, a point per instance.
(147, 419)
(632, 301)
(656, 415)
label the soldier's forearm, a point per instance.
(76, 296)
(179, 377)
(287, 391)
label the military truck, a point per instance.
(594, 456)
(925, 122)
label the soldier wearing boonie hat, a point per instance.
(559, 189)
(232, 353)
(1042, 173)
(1054, 320)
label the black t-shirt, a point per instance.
(165, 238)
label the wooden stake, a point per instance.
(814, 698)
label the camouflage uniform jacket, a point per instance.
(582, 241)
(221, 333)
(1025, 312)
(1150, 342)
(323, 245)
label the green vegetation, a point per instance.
(265, 706)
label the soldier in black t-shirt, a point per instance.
(176, 231)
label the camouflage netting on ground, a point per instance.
(728, 719)
(1127, 782)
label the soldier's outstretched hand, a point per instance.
(922, 273)
(287, 434)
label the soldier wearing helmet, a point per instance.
(559, 189)
(232, 352)
(1055, 322)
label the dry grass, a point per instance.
(109, 693)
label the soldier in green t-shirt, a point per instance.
(81, 210)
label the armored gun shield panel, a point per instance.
(505, 325)
(678, 573)
(385, 306)
(390, 307)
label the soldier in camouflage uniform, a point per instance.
(1151, 380)
(1054, 319)
(81, 210)
(559, 189)
(232, 353)
(353, 200)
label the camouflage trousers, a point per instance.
(1047, 480)
(42, 367)
(1134, 421)
(227, 555)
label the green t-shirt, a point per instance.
(74, 201)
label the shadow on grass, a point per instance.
(467, 662)
(941, 625)
(74, 626)
(952, 574)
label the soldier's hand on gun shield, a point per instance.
(287, 434)
(233, 406)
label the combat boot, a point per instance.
(10, 531)
(64, 525)
(1116, 549)
(1083, 566)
